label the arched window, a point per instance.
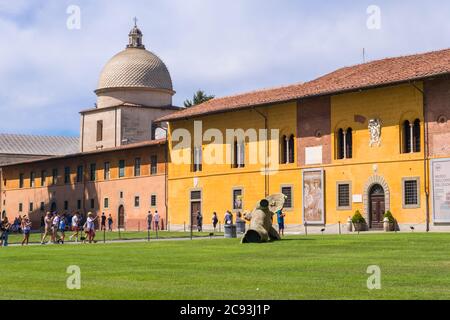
(349, 143)
(239, 154)
(287, 149)
(406, 137)
(416, 136)
(291, 153)
(344, 142)
(340, 144)
(283, 150)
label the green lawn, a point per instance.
(413, 266)
(109, 236)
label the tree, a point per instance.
(199, 97)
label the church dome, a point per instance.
(135, 67)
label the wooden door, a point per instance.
(121, 218)
(195, 207)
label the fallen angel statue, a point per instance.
(261, 229)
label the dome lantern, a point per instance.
(135, 37)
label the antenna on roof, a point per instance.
(364, 55)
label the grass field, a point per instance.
(413, 266)
(16, 238)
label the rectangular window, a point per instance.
(197, 159)
(54, 176)
(411, 196)
(237, 199)
(93, 172)
(121, 194)
(79, 174)
(43, 178)
(20, 207)
(21, 180)
(42, 208)
(99, 130)
(92, 203)
(121, 168)
(78, 204)
(67, 175)
(32, 179)
(239, 154)
(153, 200)
(106, 203)
(31, 207)
(137, 167)
(106, 171)
(287, 191)
(196, 195)
(136, 202)
(66, 205)
(154, 165)
(343, 196)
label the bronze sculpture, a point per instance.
(261, 229)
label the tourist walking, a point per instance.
(199, 221)
(26, 228)
(149, 220)
(89, 227)
(110, 223)
(5, 227)
(75, 226)
(228, 218)
(215, 220)
(103, 222)
(55, 227)
(62, 228)
(156, 219)
(48, 227)
(280, 220)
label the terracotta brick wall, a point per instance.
(437, 93)
(313, 117)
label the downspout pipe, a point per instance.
(426, 155)
(166, 174)
(266, 156)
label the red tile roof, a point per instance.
(363, 76)
(136, 145)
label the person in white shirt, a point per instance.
(55, 226)
(156, 219)
(75, 227)
(89, 227)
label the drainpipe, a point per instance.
(426, 156)
(266, 156)
(166, 175)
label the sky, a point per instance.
(49, 71)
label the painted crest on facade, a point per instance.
(375, 132)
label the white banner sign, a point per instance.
(440, 175)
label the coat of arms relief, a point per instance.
(375, 132)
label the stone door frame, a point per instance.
(373, 180)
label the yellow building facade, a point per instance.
(386, 164)
(372, 138)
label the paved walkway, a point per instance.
(100, 241)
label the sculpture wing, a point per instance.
(276, 202)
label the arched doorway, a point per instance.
(53, 207)
(377, 206)
(121, 218)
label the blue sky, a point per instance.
(48, 73)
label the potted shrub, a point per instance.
(359, 222)
(389, 222)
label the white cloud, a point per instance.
(48, 72)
